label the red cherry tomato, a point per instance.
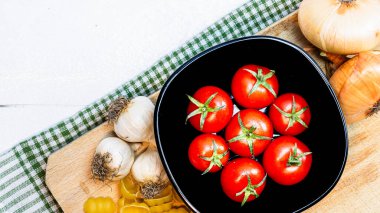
(287, 160)
(243, 180)
(290, 114)
(249, 133)
(208, 153)
(210, 109)
(254, 86)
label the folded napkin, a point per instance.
(22, 169)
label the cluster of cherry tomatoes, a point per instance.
(249, 132)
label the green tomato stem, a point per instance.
(203, 109)
(215, 159)
(261, 80)
(248, 136)
(295, 159)
(294, 116)
(250, 189)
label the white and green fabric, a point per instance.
(22, 169)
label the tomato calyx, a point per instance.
(293, 116)
(248, 135)
(294, 159)
(203, 109)
(215, 159)
(261, 79)
(250, 189)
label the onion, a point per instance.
(357, 85)
(341, 26)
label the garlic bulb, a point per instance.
(113, 159)
(341, 26)
(138, 148)
(149, 172)
(133, 119)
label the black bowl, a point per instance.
(296, 72)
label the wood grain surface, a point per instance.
(68, 171)
(357, 191)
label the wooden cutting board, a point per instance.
(69, 179)
(68, 174)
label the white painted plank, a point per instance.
(73, 52)
(18, 123)
(66, 54)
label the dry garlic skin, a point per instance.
(113, 159)
(149, 172)
(133, 119)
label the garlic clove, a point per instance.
(113, 159)
(133, 120)
(149, 172)
(139, 147)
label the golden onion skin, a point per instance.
(357, 86)
(341, 26)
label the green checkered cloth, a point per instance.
(22, 172)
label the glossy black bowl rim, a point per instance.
(182, 67)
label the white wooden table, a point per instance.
(58, 56)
